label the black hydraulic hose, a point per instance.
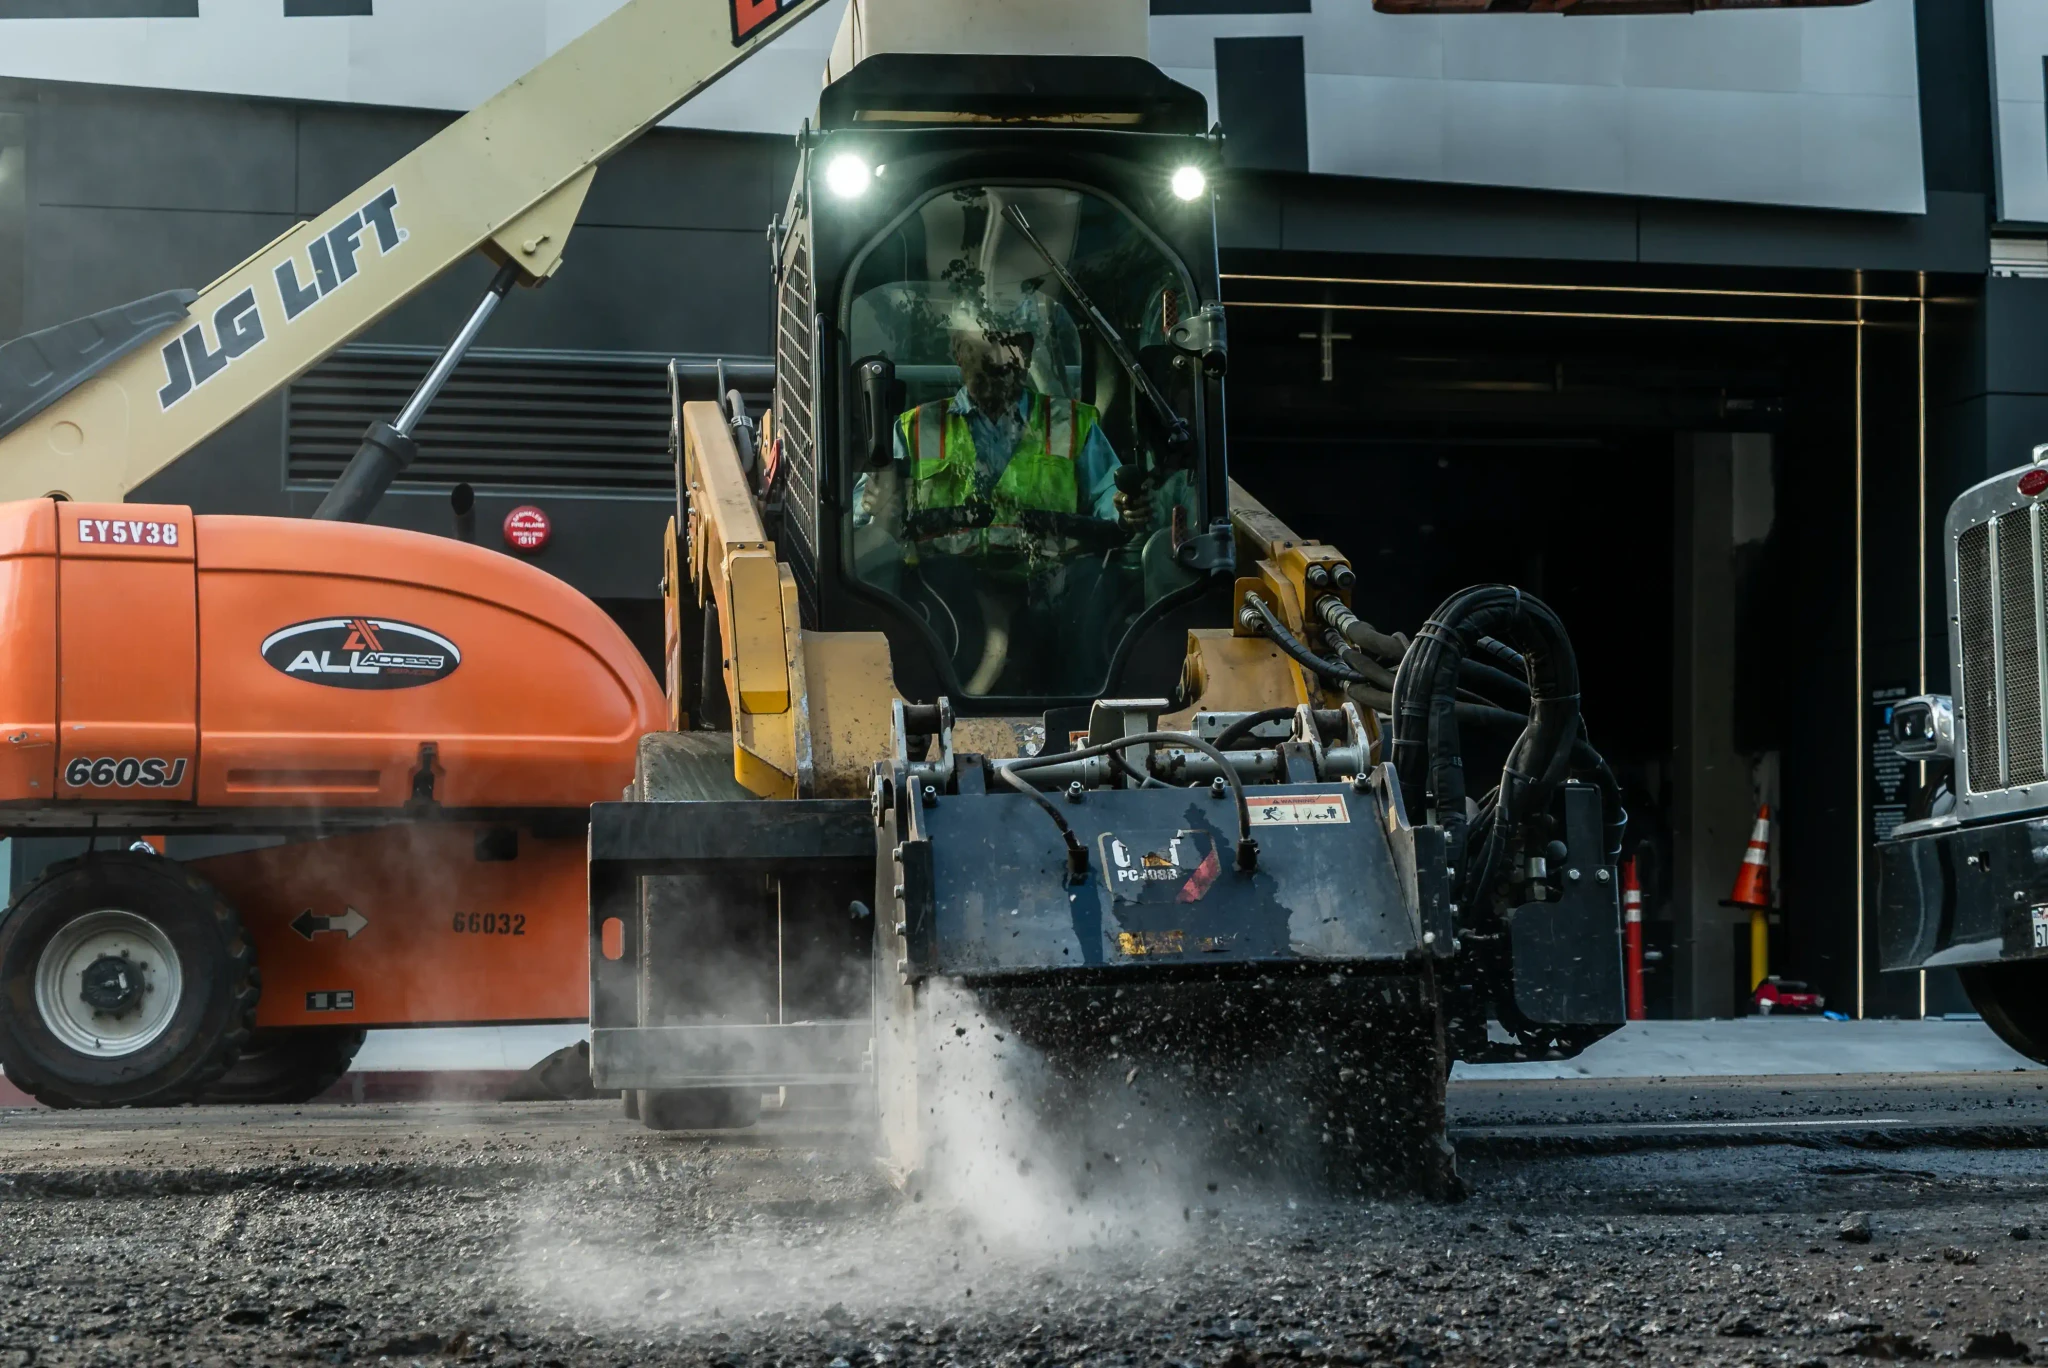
(1357, 630)
(1376, 674)
(1263, 619)
(1506, 656)
(1247, 848)
(1585, 761)
(1425, 749)
(1495, 686)
(1077, 854)
(1246, 725)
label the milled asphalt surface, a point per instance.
(562, 1233)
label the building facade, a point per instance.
(1690, 324)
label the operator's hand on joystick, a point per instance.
(1133, 498)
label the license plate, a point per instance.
(2041, 927)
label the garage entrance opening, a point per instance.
(1682, 464)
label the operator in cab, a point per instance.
(966, 468)
(1002, 498)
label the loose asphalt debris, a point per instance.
(560, 1234)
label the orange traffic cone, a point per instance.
(1753, 880)
(1753, 891)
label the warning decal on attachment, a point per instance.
(1300, 809)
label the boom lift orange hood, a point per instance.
(160, 660)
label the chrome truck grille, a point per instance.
(1999, 601)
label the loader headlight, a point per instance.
(1189, 183)
(847, 175)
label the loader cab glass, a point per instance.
(1029, 442)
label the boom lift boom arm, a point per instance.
(83, 415)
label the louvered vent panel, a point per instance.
(520, 422)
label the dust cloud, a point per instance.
(1010, 1208)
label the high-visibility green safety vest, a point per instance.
(1040, 475)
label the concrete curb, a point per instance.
(1535, 1142)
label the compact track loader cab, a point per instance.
(999, 707)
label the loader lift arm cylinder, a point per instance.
(388, 448)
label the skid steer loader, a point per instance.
(1078, 726)
(989, 686)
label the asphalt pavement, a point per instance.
(564, 1234)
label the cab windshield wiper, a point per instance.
(1178, 437)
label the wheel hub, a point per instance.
(108, 983)
(111, 984)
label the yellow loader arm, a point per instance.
(507, 179)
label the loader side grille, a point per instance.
(506, 420)
(796, 422)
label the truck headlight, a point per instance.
(1924, 728)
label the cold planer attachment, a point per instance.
(1234, 964)
(1247, 951)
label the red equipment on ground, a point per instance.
(1784, 995)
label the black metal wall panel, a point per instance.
(82, 259)
(1262, 100)
(1954, 54)
(103, 148)
(1256, 211)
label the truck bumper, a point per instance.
(1964, 895)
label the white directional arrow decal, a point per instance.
(310, 923)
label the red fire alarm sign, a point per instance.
(527, 528)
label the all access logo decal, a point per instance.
(361, 653)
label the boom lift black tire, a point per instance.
(2013, 1000)
(125, 980)
(674, 1109)
(291, 1065)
